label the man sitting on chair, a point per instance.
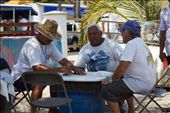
(135, 67)
(36, 55)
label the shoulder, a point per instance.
(86, 46)
(136, 42)
(23, 20)
(32, 42)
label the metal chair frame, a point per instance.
(5, 65)
(156, 91)
(46, 78)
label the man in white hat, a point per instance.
(35, 56)
(165, 33)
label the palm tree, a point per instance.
(140, 10)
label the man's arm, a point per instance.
(162, 45)
(64, 69)
(76, 70)
(123, 65)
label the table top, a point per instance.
(89, 77)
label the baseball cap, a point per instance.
(130, 25)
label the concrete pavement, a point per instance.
(24, 107)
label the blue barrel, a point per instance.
(84, 103)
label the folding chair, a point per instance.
(5, 66)
(46, 78)
(157, 91)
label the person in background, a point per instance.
(100, 54)
(36, 54)
(135, 71)
(165, 33)
(21, 19)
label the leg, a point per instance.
(130, 103)
(114, 106)
(116, 92)
(53, 93)
(36, 94)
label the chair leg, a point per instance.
(24, 96)
(162, 109)
(140, 104)
(152, 99)
(140, 101)
(145, 107)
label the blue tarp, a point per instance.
(6, 11)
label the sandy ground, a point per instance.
(24, 107)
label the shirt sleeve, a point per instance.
(162, 26)
(129, 52)
(56, 55)
(82, 58)
(33, 54)
(117, 51)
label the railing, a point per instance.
(14, 32)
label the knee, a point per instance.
(37, 88)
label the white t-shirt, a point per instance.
(23, 20)
(165, 26)
(103, 57)
(140, 75)
(33, 53)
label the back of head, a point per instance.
(133, 26)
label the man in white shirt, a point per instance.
(36, 55)
(135, 67)
(165, 33)
(100, 53)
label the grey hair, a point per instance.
(95, 25)
(135, 33)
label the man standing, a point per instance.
(165, 33)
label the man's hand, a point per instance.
(66, 70)
(105, 82)
(162, 56)
(79, 71)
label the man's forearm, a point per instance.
(162, 40)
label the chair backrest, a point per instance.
(42, 77)
(4, 64)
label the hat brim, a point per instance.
(39, 28)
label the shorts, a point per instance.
(116, 91)
(19, 85)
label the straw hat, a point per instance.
(48, 29)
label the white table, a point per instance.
(89, 77)
(85, 92)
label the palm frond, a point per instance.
(94, 13)
(140, 10)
